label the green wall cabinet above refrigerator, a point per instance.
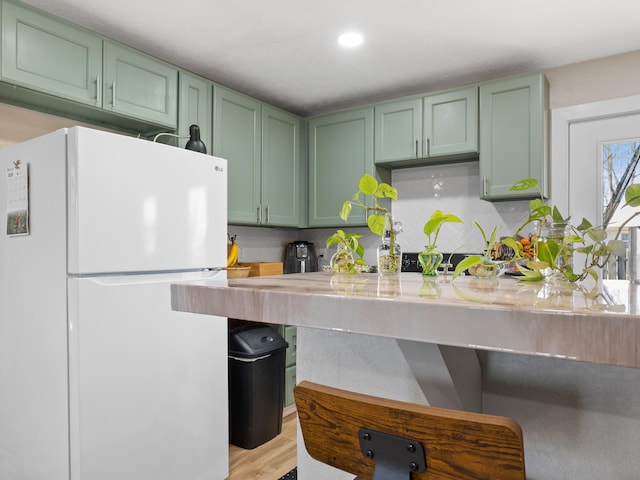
(195, 106)
(55, 57)
(139, 86)
(513, 135)
(57, 62)
(438, 128)
(262, 146)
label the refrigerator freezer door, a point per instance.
(139, 206)
(148, 386)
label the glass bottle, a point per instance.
(390, 252)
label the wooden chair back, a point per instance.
(457, 445)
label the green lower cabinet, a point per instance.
(289, 333)
(340, 152)
(289, 384)
(50, 55)
(139, 86)
(513, 135)
(195, 106)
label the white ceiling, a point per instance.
(285, 51)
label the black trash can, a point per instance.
(256, 385)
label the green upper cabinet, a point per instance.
(280, 167)
(237, 136)
(340, 152)
(451, 124)
(262, 146)
(195, 106)
(139, 86)
(50, 55)
(398, 130)
(513, 135)
(434, 129)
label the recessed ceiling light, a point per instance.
(350, 39)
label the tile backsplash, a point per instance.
(453, 188)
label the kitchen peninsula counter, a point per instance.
(504, 314)
(498, 346)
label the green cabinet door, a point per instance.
(398, 130)
(237, 136)
(139, 86)
(513, 135)
(50, 55)
(195, 106)
(280, 186)
(340, 152)
(451, 123)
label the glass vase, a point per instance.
(341, 261)
(555, 232)
(430, 258)
(389, 252)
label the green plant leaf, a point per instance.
(386, 191)
(597, 234)
(632, 195)
(368, 184)
(525, 184)
(376, 224)
(584, 225)
(466, 263)
(530, 275)
(556, 216)
(548, 251)
(434, 222)
(617, 247)
(346, 210)
(539, 212)
(451, 218)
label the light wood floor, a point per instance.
(269, 461)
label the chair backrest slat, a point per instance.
(458, 445)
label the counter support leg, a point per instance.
(450, 377)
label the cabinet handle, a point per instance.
(259, 214)
(416, 148)
(485, 180)
(113, 87)
(98, 91)
(428, 147)
(268, 215)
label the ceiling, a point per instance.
(285, 52)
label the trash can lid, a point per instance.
(254, 341)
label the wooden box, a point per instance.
(259, 269)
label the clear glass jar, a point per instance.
(390, 252)
(555, 232)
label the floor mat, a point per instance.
(292, 475)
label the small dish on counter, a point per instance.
(238, 272)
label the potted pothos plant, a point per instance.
(379, 220)
(488, 263)
(549, 252)
(349, 254)
(431, 257)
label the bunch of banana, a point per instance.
(232, 251)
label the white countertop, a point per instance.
(503, 314)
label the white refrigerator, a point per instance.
(99, 378)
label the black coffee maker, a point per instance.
(300, 257)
